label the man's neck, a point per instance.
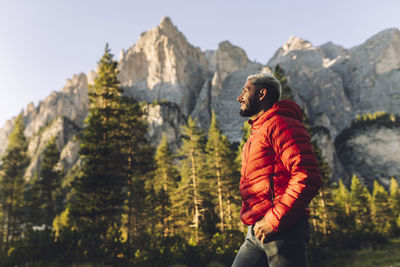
(255, 116)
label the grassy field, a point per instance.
(387, 256)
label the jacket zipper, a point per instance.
(271, 189)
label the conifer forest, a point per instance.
(129, 203)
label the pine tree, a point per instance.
(342, 198)
(279, 73)
(381, 211)
(360, 204)
(344, 219)
(220, 164)
(188, 199)
(246, 130)
(47, 186)
(165, 182)
(394, 199)
(96, 204)
(139, 163)
(12, 184)
(321, 203)
(1, 230)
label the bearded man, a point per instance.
(279, 177)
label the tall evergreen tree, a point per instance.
(342, 209)
(188, 199)
(139, 162)
(395, 200)
(279, 73)
(96, 205)
(165, 183)
(220, 163)
(342, 198)
(12, 184)
(321, 203)
(360, 204)
(381, 212)
(1, 230)
(50, 182)
(246, 130)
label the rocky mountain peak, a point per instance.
(332, 51)
(237, 56)
(228, 59)
(71, 102)
(385, 46)
(296, 43)
(382, 38)
(166, 23)
(165, 32)
(163, 65)
(76, 82)
(29, 109)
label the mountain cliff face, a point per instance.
(381, 144)
(163, 65)
(71, 102)
(177, 79)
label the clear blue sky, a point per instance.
(43, 43)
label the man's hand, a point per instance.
(262, 230)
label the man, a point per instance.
(279, 177)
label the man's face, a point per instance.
(249, 103)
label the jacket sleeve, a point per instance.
(291, 143)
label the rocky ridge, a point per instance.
(331, 83)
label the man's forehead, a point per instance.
(248, 85)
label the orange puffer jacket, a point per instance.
(279, 174)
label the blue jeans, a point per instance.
(284, 249)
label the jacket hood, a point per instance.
(285, 108)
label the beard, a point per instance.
(252, 107)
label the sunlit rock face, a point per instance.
(228, 59)
(4, 133)
(163, 65)
(71, 102)
(176, 79)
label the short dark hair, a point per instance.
(269, 82)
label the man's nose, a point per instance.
(239, 97)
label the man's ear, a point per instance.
(262, 94)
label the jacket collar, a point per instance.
(286, 108)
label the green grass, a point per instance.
(387, 256)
